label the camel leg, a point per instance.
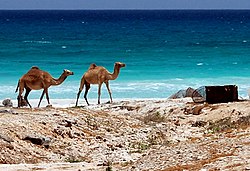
(107, 85)
(80, 90)
(17, 86)
(47, 96)
(26, 96)
(41, 98)
(99, 92)
(78, 95)
(19, 100)
(19, 97)
(87, 87)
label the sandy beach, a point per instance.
(127, 135)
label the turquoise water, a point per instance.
(164, 51)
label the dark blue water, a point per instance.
(164, 51)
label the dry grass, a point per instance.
(227, 125)
(155, 117)
(200, 163)
(234, 165)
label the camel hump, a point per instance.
(34, 67)
(92, 66)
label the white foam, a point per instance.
(138, 89)
(178, 79)
(37, 41)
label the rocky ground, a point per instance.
(128, 135)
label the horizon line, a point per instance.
(127, 9)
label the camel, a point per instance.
(98, 75)
(36, 79)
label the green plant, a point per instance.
(72, 160)
(139, 147)
(109, 168)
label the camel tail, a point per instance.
(17, 86)
(82, 84)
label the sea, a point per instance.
(164, 50)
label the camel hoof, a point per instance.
(49, 105)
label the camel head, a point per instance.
(119, 65)
(67, 72)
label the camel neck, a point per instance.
(59, 80)
(115, 74)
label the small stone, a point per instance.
(70, 134)
(100, 164)
(7, 103)
(6, 138)
(10, 146)
(98, 137)
(119, 145)
(177, 123)
(199, 124)
(49, 106)
(6, 144)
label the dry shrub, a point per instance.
(227, 124)
(155, 117)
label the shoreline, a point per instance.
(64, 103)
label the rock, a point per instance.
(69, 123)
(64, 132)
(6, 144)
(199, 124)
(197, 110)
(8, 111)
(38, 140)
(49, 106)
(35, 140)
(194, 110)
(7, 103)
(47, 142)
(6, 138)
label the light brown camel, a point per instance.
(36, 79)
(98, 75)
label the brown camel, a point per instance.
(36, 79)
(98, 75)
